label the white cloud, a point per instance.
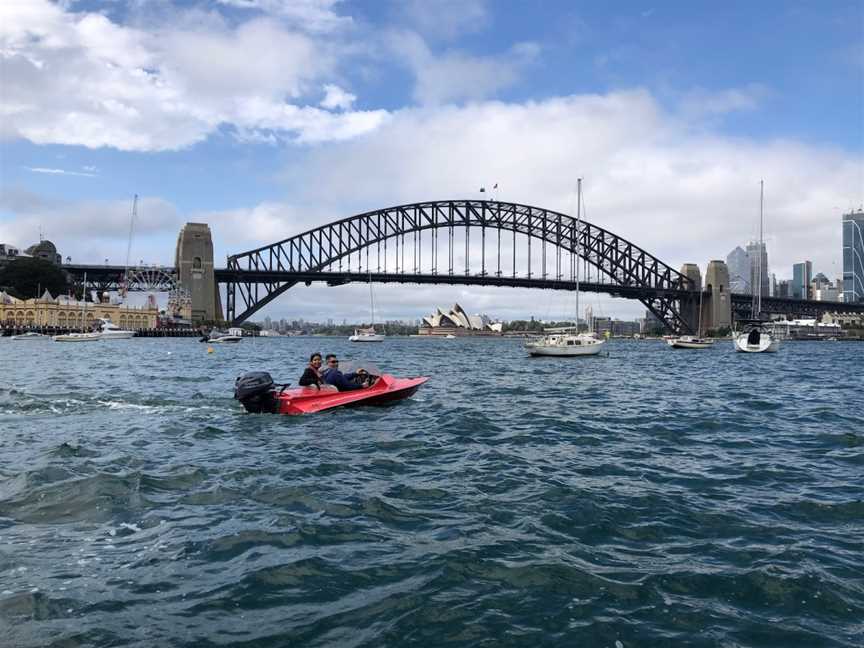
(312, 15)
(700, 103)
(162, 88)
(335, 97)
(445, 19)
(456, 76)
(50, 171)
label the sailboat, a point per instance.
(568, 341)
(753, 337)
(690, 341)
(368, 334)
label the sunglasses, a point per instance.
(332, 362)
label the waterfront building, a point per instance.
(457, 322)
(801, 277)
(68, 312)
(853, 257)
(755, 249)
(738, 263)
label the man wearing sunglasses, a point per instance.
(342, 382)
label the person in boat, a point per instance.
(342, 382)
(312, 375)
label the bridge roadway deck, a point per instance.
(108, 275)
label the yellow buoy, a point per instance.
(209, 349)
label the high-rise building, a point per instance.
(755, 271)
(739, 271)
(782, 288)
(853, 257)
(802, 275)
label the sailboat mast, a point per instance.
(371, 300)
(761, 248)
(578, 233)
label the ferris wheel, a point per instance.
(150, 279)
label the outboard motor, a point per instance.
(256, 391)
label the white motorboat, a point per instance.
(753, 337)
(564, 343)
(110, 331)
(366, 335)
(217, 337)
(689, 342)
(449, 336)
(78, 337)
(30, 335)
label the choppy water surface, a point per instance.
(649, 498)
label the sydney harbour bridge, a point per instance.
(456, 242)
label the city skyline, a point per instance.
(377, 104)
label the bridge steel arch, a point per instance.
(255, 278)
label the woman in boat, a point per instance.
(312, 375)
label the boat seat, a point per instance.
(754, 337)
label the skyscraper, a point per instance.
(739, 271)
(853, 257)
(753, 253)
(802, 275)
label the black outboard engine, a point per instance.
(255, 390)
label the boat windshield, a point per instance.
(349, 366)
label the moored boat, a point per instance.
(366, 335)
(564, 343)
(78, 337)
(110, 331)
(689, 342)
(30, 335)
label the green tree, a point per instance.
(26, 278)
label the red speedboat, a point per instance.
(257, 392)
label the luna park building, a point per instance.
(65, 312)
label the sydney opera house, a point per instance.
(457, 322)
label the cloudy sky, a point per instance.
(264, 118)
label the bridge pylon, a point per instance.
(194, 267)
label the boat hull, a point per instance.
(564, 351)
(681, 343)
(227, 339)
(366, 338)
(765, 344)
(308, 400)
(78, 337)
(28, 336)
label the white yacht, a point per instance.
(568, 342)
(565, 342)
(691, 341)
(30, 335)
(754, 337)
(366, 335)
(110, 331)
(222, 337)
(78, 337)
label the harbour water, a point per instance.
(649, 498)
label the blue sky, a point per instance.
(266, 117)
